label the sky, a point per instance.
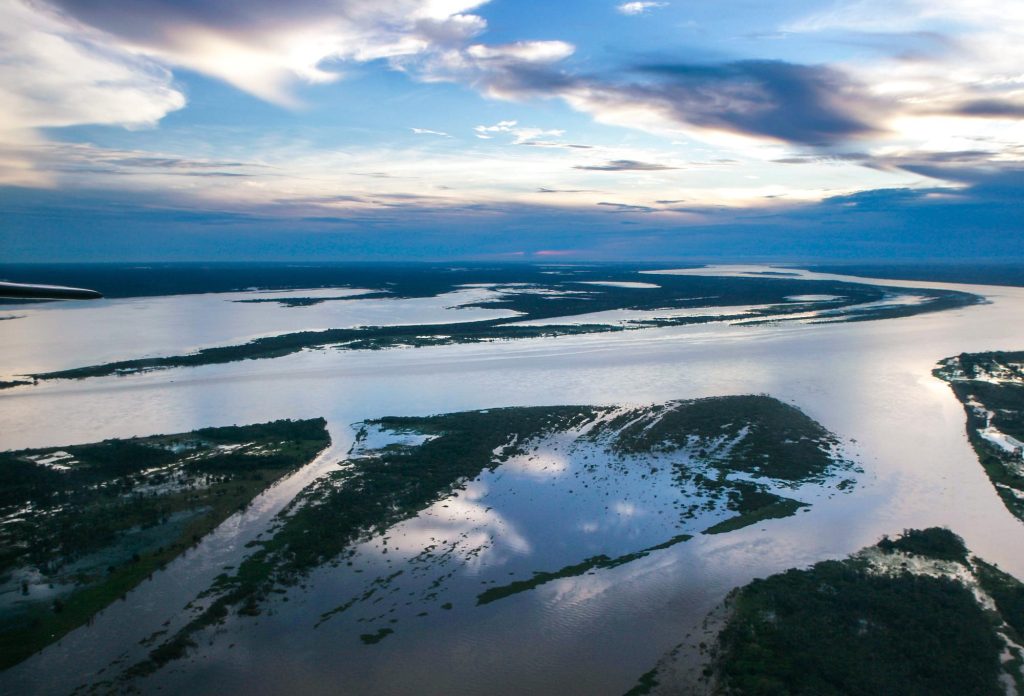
(178, 130)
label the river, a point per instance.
(868, 382)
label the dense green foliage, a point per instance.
(755, 434)
(838, 628)
(109, 514)
(934, 542)
(971, 376)
(1006, 401)
(975, 365)
(1007, 592)
(869, 625)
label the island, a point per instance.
(82, 525)
(991, 388)
(557, 302)
(916, 614)
(568, 481)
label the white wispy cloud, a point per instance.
(636, 8)
(522, 51)
(427, 131)
(911, 15)
(75, 62)
(485, 132)
(56, 73)
(966, 95)
(266, 48)
(520, 135)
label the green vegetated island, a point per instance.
(915, 615)
(720, 464)
(991, 388)
(82, 525)
(557, 297)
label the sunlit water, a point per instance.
(59, 335)
(868, 381)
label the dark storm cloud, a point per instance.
(992, 180)
(990, 108)
(808, 105)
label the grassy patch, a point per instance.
(754, 434)
(595, 562)
(783, 507)
(374, 638)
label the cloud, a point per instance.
(513, 71)
(555, 144)
(966, 169)
(967, 86)
(830, 158)
(626, 208)
(636, 8)
(75, 62)
(981, 217)
(543, 189)
(521, 135)
(114, 69)
(624, 166)
(265, 47)
(484, 132)
(427, 131)
(522, 52)
(808, 105)
(990, 108)
(56, 73)
(76, 163)
(888, 16)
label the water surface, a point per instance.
(869, 382)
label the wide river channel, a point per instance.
(869, 382)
